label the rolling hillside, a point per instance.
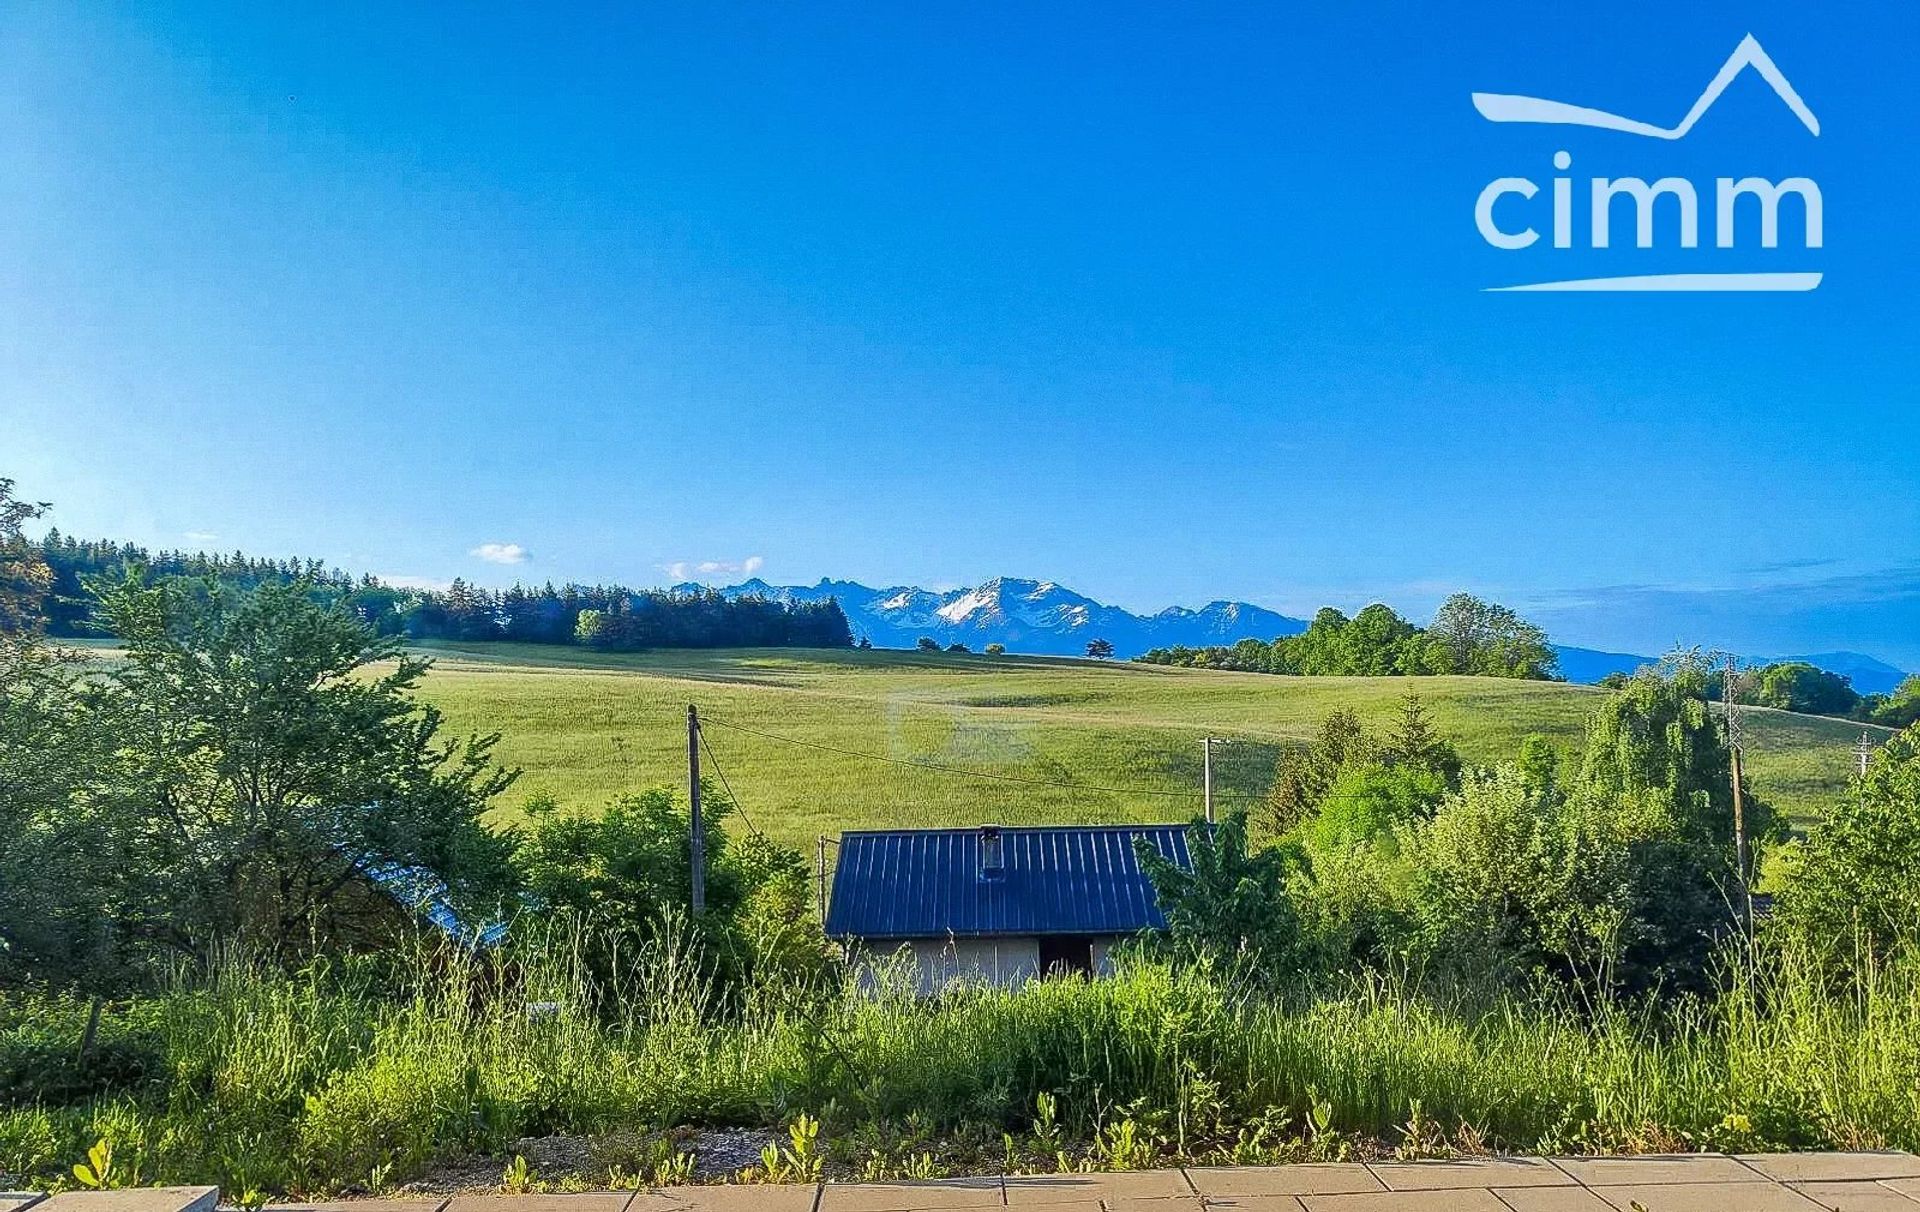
(801, 736)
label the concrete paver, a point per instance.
(133, 1199)
(1708, 1197)
(1867, 1181)
(1865, 1196)
(1029, 1189)
(1471, 1172)
(1659, 1168)
(1464, 1199)
(586, 1201)
(1834, 1167)
(1227, 1183)
(1553, 1199)
(755, 1197)
(929, 1196)
(1175, 1203)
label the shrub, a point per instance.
(1853, 890)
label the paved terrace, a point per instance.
(1695, 1182)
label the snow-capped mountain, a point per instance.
(1027, 616)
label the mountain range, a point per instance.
(1038, 617)
(1048, 619)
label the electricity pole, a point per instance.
(1206, 769)
(699, 838)
(1864, 751)
(1729, 693)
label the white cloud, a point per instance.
(501, 553)
(684, 570)
(200, 536)
(407, 582)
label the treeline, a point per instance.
(602, 616)
(1798, 686)
(1468, 636)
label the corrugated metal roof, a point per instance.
(1058, 879)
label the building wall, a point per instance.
(933, 964)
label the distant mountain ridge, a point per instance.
(1045, 618)
(1868, 675)
(1040, 617)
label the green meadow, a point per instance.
(1041, 739)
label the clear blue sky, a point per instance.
(1166, 303)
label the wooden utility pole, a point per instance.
(699, 838)
(1729, 693)
(1206, 770)
(820, 874)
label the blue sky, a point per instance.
(1166, 303)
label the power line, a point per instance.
(967, 771)
(717, 769)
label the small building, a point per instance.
(996, 904)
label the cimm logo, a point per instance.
(1508, 217)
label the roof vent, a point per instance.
(993, 853)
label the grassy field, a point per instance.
(1090, 741)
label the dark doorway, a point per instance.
(1066, 953)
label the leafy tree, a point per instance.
(53, 862)
(271, 751)
(957, 646)
(24, 575)
(1232, 907)
(1367, 803)
(1100, 650)
(1798, 686)
(1899, 709)
(1656, 780)
(1480, 637)
(996, 649)
(927, 643)
(1853, 889)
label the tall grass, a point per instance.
(328, 1079)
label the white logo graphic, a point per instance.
(1504, 107)
(1500, 107)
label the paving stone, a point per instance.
(431, 1203)
(1553, 1199)
(133, 1199)
(1226, 1184)
(1026, 1189)
(1463, 1199)
(1834, 1167)
(1658, 1168)
(912, 1197)
(1258, 1203)
(1909, 1187)
(586, 1201)
(15, 1201)
(1709, 1197)
(1472, 1172)
(1165, 1203)
(1864, 1196)
(734, 1197)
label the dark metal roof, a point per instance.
(1057, 879)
